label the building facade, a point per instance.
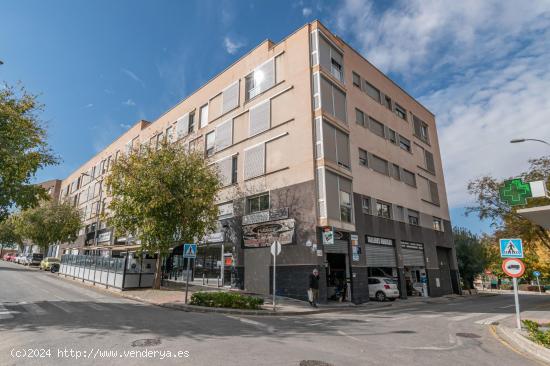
(317, 149)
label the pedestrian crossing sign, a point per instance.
(511, 248)
(189, 250)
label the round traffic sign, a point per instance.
(536, 273)
(513, 267)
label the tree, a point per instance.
(504, 218)
(471, 255)
(49, 223)
(23, 150)
(162, 197)
(9, 237)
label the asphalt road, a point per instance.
(59, 322)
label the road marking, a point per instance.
(429, 316)
(33, 308)
(507, 306)
(492, 319)
(64, 307)
(96, 306)
(269, 328)
(349, 336)
(465, 316)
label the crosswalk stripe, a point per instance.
(492, 319)
(5, 313)
(465, 316)
(33, 308)
(64, 307)
(96, 306)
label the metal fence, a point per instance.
(121, 273)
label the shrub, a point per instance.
(233, 300)
(527, 287)
(536, 334)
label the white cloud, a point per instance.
(133, 76)
(89, 105)
(481, 67)
(306, 12)
(125, 126)
(232, 45)
(129, 103)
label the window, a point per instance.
(203, 116)
(333, 100)
(421, 129)
(191, 122)
(408, 177)
(363, 157)
(257, 203)
(224, 135)
(254, 161)
(429, 159)
(345, 206)
(260, 80)
(400, 213)
(434, 195)
(227, 170)
(395, 172)
(383, 209)
(376, 127)
(414, 217)
(230, 97)
(356, 80)
(335, 145)
(378, 164)
(234, 169)
(365, 205)
(225, 210)
(387, 102)
(259, 118)
(404, 143)
(359, 117)
(437, 224)
(182, 126)
(336, 70)
(371, 91)
(170, 134)
(400, 112)
(392, 136)
(210, 143)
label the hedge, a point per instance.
(536, 334)
(220, 299)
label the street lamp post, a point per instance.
(516, 141)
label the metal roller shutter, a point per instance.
(413, 257)
(380, 255)
(339, 246)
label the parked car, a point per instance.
(19, 258)
(382, 288)
(47, 262)
(55, 267)
(33, 259)
(9, 257)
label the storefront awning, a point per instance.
(538, 215)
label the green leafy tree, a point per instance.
(9, 237)
(504, 218)
(50, 223)
(23, 149)
(471, 255)
(162, 197)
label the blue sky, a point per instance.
(99, 66)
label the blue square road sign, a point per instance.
(189, 250)
(511, 248)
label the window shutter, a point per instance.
(204, 116)
(224, 135)
(267, 70)
(324, 53)
(339, 104)
(254, 161)
(259, 118)
(434, 195)
(342, 146)
(430, 165)
(224, 170)
(380, 165)
(329, 142)
(326, 96)
(230, 97)
(182, 126)
(417, 126)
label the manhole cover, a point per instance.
(468, 335)
(403, 331)
(149, 342)
(314, 363)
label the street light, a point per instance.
(516, 141)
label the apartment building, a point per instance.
(317, 149)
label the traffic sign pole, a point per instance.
(274, 272)
(538, 284)
(516, 299)
(187, 280)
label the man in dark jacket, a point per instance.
(313, 291)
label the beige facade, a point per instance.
(288, 114)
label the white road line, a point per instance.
(64, 307)
(492, 319)
(269, 328)
(96, 306)
(507, 306)
(465, 316)
(430, 316)
(33, 308)
(5, 313)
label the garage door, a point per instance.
(380, 252)
(413, 254)
(339, 246)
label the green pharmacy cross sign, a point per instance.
(515, 192)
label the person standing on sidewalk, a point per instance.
(313, 291)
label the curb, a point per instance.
(521, 344)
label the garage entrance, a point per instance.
(338, 279)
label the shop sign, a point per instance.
(380, 241)
(264, 234)
(328, 235)
(264, 216)
(213, 238)
(355, 248)
(412, 245)
(103, 237)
